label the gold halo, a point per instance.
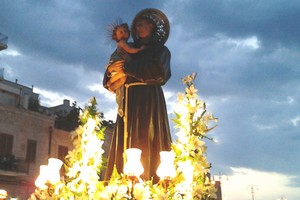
(159, 19)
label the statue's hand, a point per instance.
(117, 76)
(116, 66)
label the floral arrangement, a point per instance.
(192, 124)
(84, 163)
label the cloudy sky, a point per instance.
(246, 55)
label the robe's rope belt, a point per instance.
(127, 85)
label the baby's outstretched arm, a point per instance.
(124, 45)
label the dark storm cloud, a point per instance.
(49, 30)
(255, 133)
(272, 21)
(72, 32)
(60, 34)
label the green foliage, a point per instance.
(84, 162)
(69, 121)
(34, 104)
(192, 124)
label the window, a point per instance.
(31, 150)
(6, 144)
(62, 152)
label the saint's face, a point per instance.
(143, 28)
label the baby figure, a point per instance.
(121, 34)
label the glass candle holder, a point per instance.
(41, 180)
(54, 166)
(133, 167)
(166, 170)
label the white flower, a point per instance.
(141, 192)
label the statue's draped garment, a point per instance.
(147, 117)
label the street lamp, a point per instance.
(252, 187)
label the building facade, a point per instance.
(28, 138)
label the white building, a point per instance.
(27, 138)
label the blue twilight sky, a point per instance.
(246, 55)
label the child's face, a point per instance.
(122, 33)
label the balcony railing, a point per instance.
(3, 41)
(13, 166)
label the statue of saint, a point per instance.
(145, 124)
